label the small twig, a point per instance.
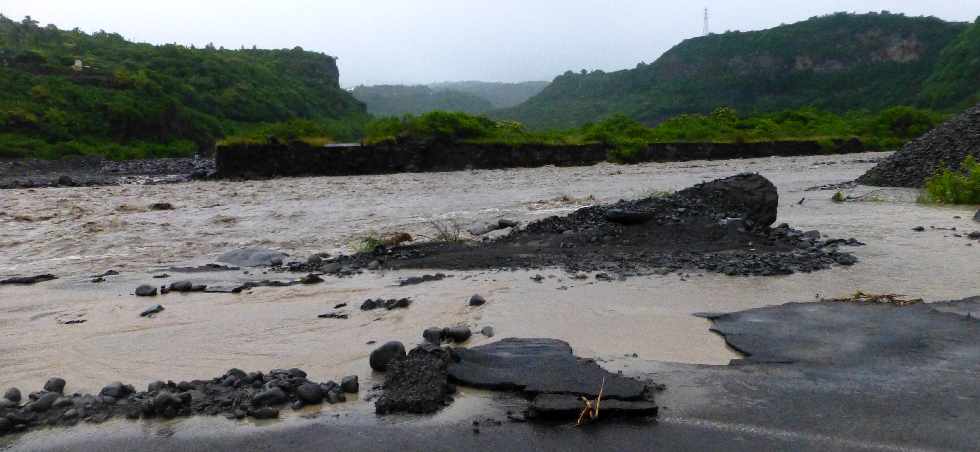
(591, 410)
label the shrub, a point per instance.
(955, 187)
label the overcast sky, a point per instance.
(420, 41)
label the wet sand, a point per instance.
(77, 232)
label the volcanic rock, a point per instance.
(13, 395)
(149, 312)
(457, 334)
(116, 390)
(349, 384)
(27, 280)
(310, 393)
(161, 206)
(628, 217)
(146, 290)
(538, 366)
(433, 335)
(55, 384)
(253, 257)
(44, 402)
(384, 355)
(947, 144)
(722, 226)
(417, 384)
(477, 300)
(412, 280)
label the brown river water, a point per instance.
(78, 232)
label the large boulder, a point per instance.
(947, 144)
(383, 356)
(747, 196)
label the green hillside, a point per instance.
(131, 99)
(397, 100)
(839, 63)
(956, 79)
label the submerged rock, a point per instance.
(253, 257)
(477, 300)
(149, 312)
(146, 290)
(28, 280)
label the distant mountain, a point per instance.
(397, 100)
(837, 62)
(468, 97)
(501, 95)
(69, 92)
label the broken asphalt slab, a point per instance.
(538, 366)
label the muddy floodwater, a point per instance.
(75, 233)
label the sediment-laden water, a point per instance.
(78, 232)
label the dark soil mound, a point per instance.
(947, 145)
(720, 226)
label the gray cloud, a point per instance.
(419, 41)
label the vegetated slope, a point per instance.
(838, 62)
(956, 80)
(397, 100)
(501, 95)
(131, 99)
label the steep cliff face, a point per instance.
(837, 62)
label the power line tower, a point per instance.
(707, 30)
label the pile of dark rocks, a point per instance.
(722, 226)
(235, 395)
(946, 145)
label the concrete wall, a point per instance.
(299, 159)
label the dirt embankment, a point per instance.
(92, 171)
